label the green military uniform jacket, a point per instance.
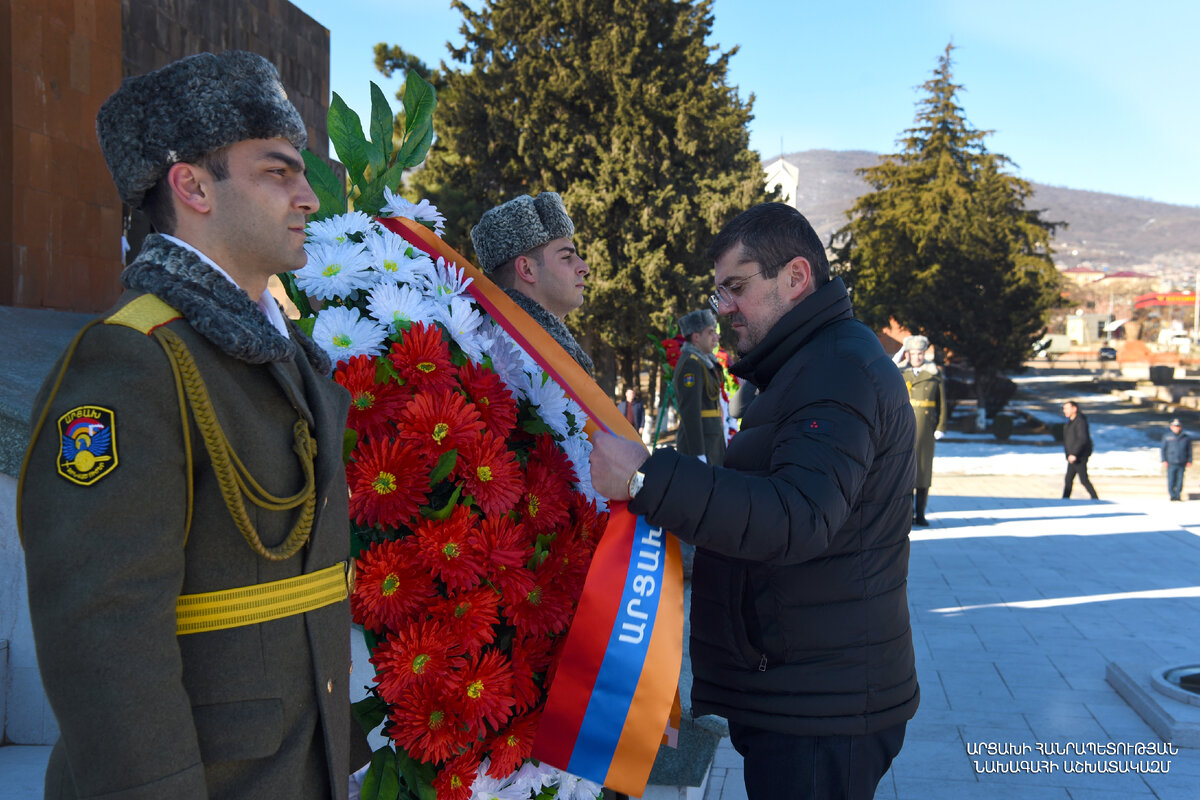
(927, 393)
(698, 393)
(113, 538)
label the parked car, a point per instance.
(1108, 353)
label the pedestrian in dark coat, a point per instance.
(927, 393)
(1077, 443)
(800, 627)
(633, 409)
(1176, 453)
(183, 501)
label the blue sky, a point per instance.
(1093, 94)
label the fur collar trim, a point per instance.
(216, 308)
(709, 359)
(553, 326)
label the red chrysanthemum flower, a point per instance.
(425, 725)
(483, 692)
(511, 746)
(390, 587)
(387, 485)
(543, 610)
(566, 565)
(545, 508)
(448, 548)
(550, 455)
(674, 348)
(515, 585)
(421, 654)
(588, 523)
(530, 659)
(434, 422)
(491, 474)
(455, 780)
(470, 617)
(422, 360)
(495, 402)
(372, 405)
(503, 546)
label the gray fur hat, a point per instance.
(919, 343)
(188, 109)
(518, 226)
(696, 321)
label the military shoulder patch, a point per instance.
(87, 444)
(689, 380)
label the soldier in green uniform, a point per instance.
(183, 501)
(698, 381)
(927, 393)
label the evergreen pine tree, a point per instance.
(945, 245)
(623, 108)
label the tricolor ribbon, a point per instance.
(616, 688)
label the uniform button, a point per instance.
(329, 687)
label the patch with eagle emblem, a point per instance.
(87, 444)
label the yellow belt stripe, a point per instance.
(710, 412)
(924, 403)
(262, 602)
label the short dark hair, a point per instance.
(157, 204)
(773, 234)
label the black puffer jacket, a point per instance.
(799, 605)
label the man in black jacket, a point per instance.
(800, 628)
(1077, 442)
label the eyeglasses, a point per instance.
(728, 292)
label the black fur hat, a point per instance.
(188, 109)
(518, 226)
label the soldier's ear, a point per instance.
(525, 269)
(190, 186)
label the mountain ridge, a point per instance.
(1106, 231)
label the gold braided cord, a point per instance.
(234, 479)
(187, 445)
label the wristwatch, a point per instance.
(635, 483)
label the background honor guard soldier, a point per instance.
(927, 393)
(525, 247)
(186, 448)
(698, 381)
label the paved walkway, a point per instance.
(996, 668)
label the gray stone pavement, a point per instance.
(996, 668)
(1019, 601)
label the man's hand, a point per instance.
(938, 434)
(614, 460)
(1071, 459)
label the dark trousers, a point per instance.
(779, 765)
(1078, 467)
(1175, 480)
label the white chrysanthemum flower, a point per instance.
(486, 787)
(392, 305)
(578, 450)
(509, 361)
(344, 333)
(532, 778)
(395, 259)
(462, 321)
(449, 280)
(334, 270)
(573, 787)
(424, 211)
(551, 400)
(337, 230)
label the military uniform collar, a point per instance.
(214, 306)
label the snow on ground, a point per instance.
(1119, 450)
